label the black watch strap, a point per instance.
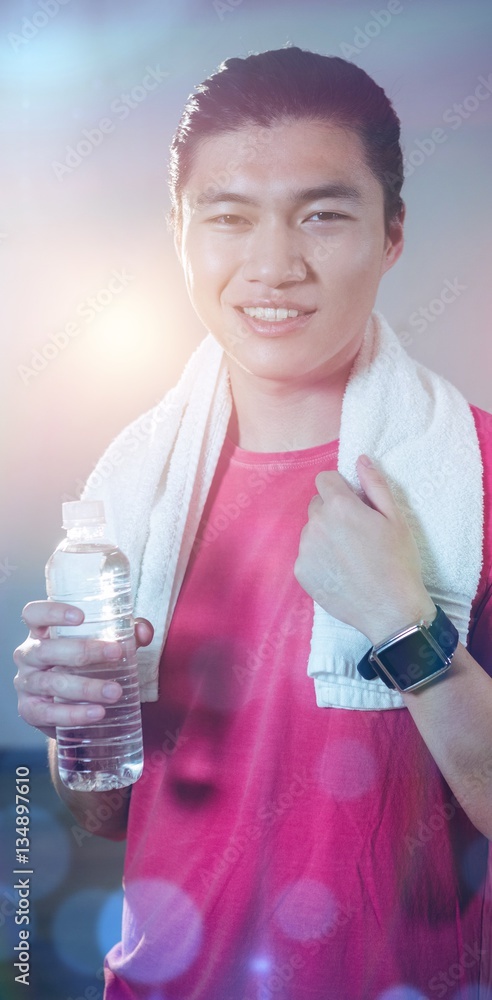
(441, 629)
(368, 670)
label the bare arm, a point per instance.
(378, 589)
(454, 717)
(38, 684)
(86, 806)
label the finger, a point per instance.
(329, 482)
(315, 503)
(39, 615)
(56, 682)
(43, 713)
(67, 652)
(376, 488)
(144, 632)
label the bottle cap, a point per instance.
(78, 513)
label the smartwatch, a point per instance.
(414, 656)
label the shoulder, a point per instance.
(483, 424)
(128, 450)
(481, 618)
(150, 436)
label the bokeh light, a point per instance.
(402, 992)
(260, 963)
(75, 930)
(474, 863)
(162, 931)
(49, 853)
(60, 240)
(474, 991)
(108, 930)
(306, 909)
(347, 769)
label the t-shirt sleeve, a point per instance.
(480, 636)
(480, 633)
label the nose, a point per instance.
(273, 257)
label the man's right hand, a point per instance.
(39, 679)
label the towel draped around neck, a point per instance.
(418, 429)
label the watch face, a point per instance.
(412, 661)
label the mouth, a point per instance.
(270, 315)
(273, 320)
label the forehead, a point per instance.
(295, 154)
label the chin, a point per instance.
(273, 369)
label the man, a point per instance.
(329, 840)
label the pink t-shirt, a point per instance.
(277, 849)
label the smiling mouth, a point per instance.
(271, 315)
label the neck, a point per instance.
(270, 416)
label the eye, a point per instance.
(228, 220)
(325, 217)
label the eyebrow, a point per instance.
(338, 191)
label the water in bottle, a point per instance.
(89, 571)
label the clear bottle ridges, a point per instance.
(89, 571)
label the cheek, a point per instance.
(206, 280)
(355, 263)
(208, 268)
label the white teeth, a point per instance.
(271, 315)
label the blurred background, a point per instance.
(97, 325)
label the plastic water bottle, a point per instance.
(90, 572)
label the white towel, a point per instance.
(155, 477)
(419, 430)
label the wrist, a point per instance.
(414, 655)
(397, 618)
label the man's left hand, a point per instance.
(358, 559)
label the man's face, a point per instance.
(287, 219)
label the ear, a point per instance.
(394, 242)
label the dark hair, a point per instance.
(291, 84)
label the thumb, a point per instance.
(376, 487)
(144, 632)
